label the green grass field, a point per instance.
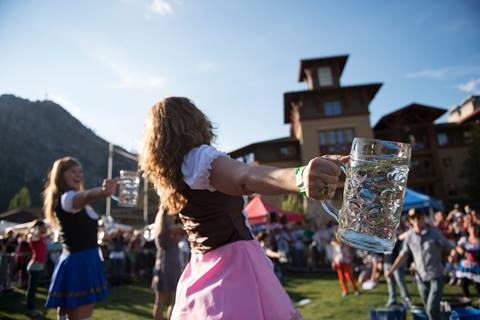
(135, 301)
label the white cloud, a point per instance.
(445, 72)
(472, 86)
(435, 74)
(161, 7)
(128, 76)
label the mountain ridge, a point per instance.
(36, 133)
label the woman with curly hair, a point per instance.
(228, 276)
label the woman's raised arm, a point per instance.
(237, 178)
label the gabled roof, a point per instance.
(475, 115)
(339, 61)
(244, 149)
(428, 113)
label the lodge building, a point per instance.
(326, 117)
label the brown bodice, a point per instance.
(213, 219)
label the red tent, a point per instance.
(257, 211)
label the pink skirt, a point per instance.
(235, 281)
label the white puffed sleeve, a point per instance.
(197, 165)
(66, 201)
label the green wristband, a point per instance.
(299, 180)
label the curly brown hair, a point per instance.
(174, 127)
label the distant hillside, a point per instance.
(35, 133)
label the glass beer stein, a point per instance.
(128, 188)
(376, 181)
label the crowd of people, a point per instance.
(434, 248)
(204, 188)
(29, 256)
(129, 254)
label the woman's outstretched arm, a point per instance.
(83, 198)
(237, 178)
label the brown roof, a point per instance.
(340, 61)
(429, 112)
(475, 115)
(371, 90)
(22, 215)
(244, 149)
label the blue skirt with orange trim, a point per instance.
(78, 279)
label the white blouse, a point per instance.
(66, 201)
(197, 165)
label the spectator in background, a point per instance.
(270, 247)
(10, 245)
(342, 262)
(167, 264)
(23, 255)
(117, 257)
(455, 214)
(445, 227)
(397, 278)
(475, 216)
(321, 240)
(467, 209)
(54, 251)
(134, 249)
(427, 245)
(37, 240)
(368, 277)
(455, 218)
(284, 239)
(10, 242)
(184, 248)
(469, 265)
(298, 248)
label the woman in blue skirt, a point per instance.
(78, 281)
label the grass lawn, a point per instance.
(135, 301)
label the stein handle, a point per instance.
(328, 205)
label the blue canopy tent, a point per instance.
(417, 200)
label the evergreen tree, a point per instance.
(292, 203)
(20, 200)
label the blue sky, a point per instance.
(108, 61)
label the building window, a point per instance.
(247, 158)
(336, 141)
(332, 108)
(349, 135)
(448, 164)
(340, 136)
(332, 137)
(325, 78)
(323, 140)
(467, 137)
(442, 139)
(336, 136)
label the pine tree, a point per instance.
(292, 203)
(20, 200)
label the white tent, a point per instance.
(4, 225)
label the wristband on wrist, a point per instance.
(299, 180)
